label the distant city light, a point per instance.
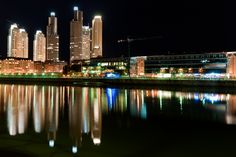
(53, 14)
(97, 16)
(13, 26)
(76, 8)
(22, 30)
(38, 31)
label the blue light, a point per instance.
(112, 75)
(144, 111)
(196, 97)
(211, 98)
(111, 97)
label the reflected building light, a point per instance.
(196, 97)
(204, 101)
(96, 141)
(133, 102)
(75, 115)
(144, 107)
(62, 98)
(144, 111)
(17, 110)
(51, 143)
(167, 94)
(96, 112)
(52, 113)
(11, 112)
(21, 109)
(39, 108)
(111, 97)
(181, 104)
(212, 97)
(11, 120)
(153, 94)
(160, 101)
(74, 149)
(231, 110)
(85, 111)
(96, 117)
(126, 100)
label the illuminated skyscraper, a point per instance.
(97, 37)
(52, 39)
(17, 42)
(76, 35)
(86, 40)
(39, 47)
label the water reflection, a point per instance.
(84, 107)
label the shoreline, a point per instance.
(209, 85)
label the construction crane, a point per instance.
(129, 40)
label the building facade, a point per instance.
(76, 34)
(187, 63)
(17, 42)
(86, 43)
(231, 64)
(16, 66)
(137, 66)
(97, 37)
(52, 39)
(39, 47)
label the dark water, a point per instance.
(85, 121)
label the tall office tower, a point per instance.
(76, 35)
(39, 47)
(86, 43)
(17, 42)
(52, 39)
(97, 37)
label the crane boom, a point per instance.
(128, 40)
(138, 39)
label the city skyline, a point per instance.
(184, 27)
(85, 42)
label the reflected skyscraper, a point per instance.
(52, 114)
(17, 42)
(137, 104)
(97, 37)
(39, 47)
(231, 109)
(18, 109)
(75, 117)
(52, 39)
(39, 108)
(96, 117)
(85, 111)
(111, 94)
(76, 34)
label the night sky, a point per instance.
(182, 26)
